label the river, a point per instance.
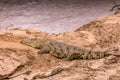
(53, 16)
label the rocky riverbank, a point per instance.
(21, 62)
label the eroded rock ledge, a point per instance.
(12, 60)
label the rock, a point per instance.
(96, 64)
(109, 60)
(8, 66)
(114, 77)
(117, 12)
(48, 73)
(11, 60)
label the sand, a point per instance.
(21, 62)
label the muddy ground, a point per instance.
(21, 62)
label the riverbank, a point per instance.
(25, 63)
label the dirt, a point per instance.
(21, 62)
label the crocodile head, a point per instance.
(34, 42)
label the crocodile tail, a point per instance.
(112, 50)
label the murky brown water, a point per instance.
(54, 16)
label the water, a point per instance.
(54, 16)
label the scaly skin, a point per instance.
(62, 50)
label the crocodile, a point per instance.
(64, 51)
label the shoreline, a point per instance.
(25, 62)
